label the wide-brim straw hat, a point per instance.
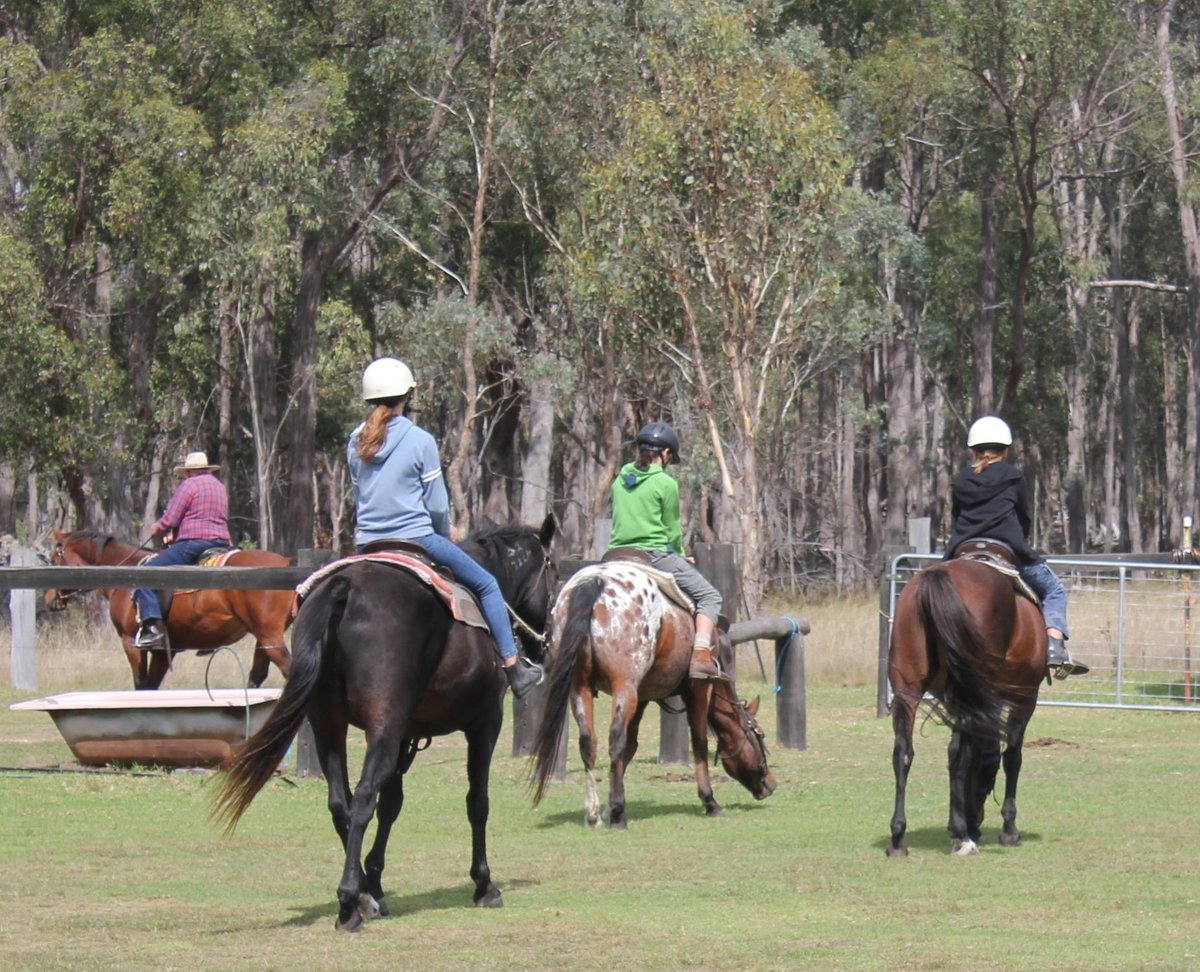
(195, 462)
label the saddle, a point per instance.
(1000, 557)
(212, 557)
(395, 553)
(639, 559)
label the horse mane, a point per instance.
(492, 540)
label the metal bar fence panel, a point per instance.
(1130, 621)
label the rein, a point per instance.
(101, 541)
(751, 727)
(538, 636)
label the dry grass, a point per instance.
(80, 651)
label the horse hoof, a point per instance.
(368, 907)
(963, 848)
(714, 811)
(351, 923)
(897, 851)
(490, 899)
(383, 908)
(1010, 840)
(592, 819)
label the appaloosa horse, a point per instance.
(963, 635)
(202, 620)
(375, 646)
(614, 630)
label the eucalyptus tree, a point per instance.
(708, 231)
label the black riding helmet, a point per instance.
(659, 435)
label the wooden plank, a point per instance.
(159, 578)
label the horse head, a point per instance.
(519, 558)
(63, 554)
(741, 744)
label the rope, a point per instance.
(783, 646)
(245, 685)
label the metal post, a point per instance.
(1187, 612)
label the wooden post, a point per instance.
(23, 612)
(791, 707)
(307, 764)
(716, 561)
(527, 716)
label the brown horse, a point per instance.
(614, 631)
(964, 636)
(203, 620)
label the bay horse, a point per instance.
(963, 635)
(374, 646)
(201, 620)
(613, 630)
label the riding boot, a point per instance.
(1059, 661)
(523, 676)
(151, 635)
(704, 667)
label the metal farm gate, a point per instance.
(1131, 622)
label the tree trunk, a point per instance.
(983, 336)
(1190, 239)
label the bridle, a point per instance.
(58, 557)
(521, 623)
(751, 729)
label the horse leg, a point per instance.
(480, 745)
(261, 665)
(697, 698)
(157, 668)
(902, 757)
(988, 761)
(963, 760)
(1009, 835)
(625, 706)
(138, 662)
(383, 752)
(391, 801)
(583, 706)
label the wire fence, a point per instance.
(1134, 624)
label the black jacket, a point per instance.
(995, 504)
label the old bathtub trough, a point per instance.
(180, 727)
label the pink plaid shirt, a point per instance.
(198, 510)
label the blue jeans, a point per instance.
(479, 581)
(1049, 588)
(178, 553)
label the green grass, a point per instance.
(125, 871)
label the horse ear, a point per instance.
(546, 534)
(59, 535)
(752, 708)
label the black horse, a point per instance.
(375, 647)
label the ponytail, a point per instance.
(374, 431)
(984, 457)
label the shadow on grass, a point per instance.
(636, 810)
(937, 840)
(400, 905)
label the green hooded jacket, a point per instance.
(645, 510)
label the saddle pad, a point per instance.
(665, 581)
(1005, 568)
(459, 601)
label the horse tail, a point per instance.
(575, 634)
(972, 700)
(254, 762)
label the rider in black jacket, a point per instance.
(989, 498)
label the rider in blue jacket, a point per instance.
(401, 495)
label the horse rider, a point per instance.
(646, 515)
(989, 498)
(401, 495)
(196, 519)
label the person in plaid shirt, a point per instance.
(196, 519)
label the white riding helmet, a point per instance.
(989, 430)
(386, 378)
